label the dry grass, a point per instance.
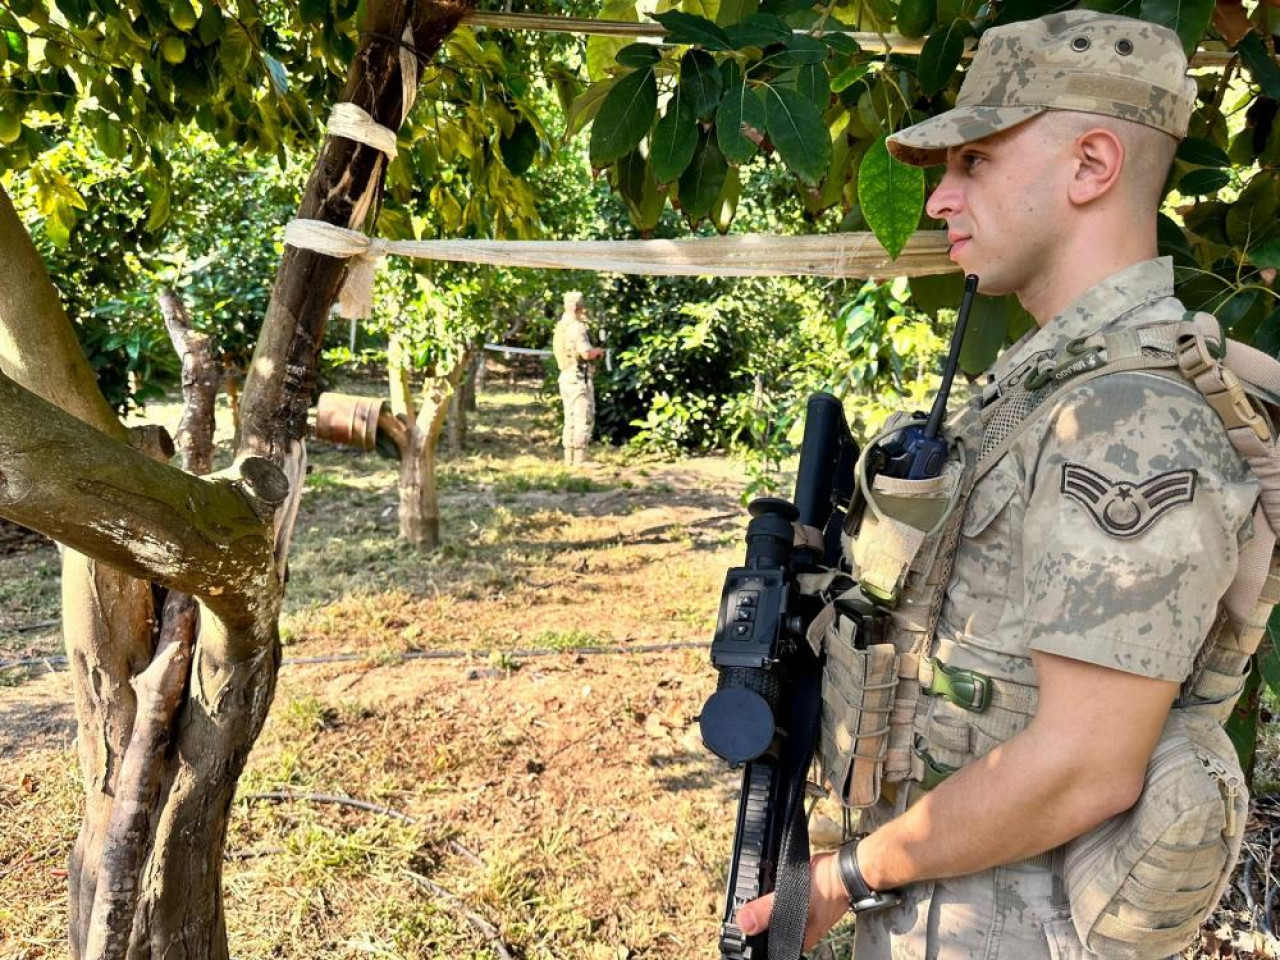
(559, 807)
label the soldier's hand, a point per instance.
(828, 902)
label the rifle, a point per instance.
(764, 714)
(766, 711)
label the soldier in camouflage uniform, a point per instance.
(574, 354)
(1093, 554)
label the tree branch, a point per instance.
(199, 385)
(209, 538)
(341, 191)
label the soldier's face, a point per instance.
(1001, 202)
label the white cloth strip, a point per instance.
(350, 121)
(871, 42)
(523, 351)
(749, 255)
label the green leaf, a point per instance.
(1018, 10)
(841, 43)
(601, 51)
(701, 82)
(159, 214)
(810, 81)
(625, 117)
(586, 106)
(736, 11)
(1252, 218)
(783, 7)
(1260, 64)
(937, 292)
(984, 334)
(674, 138)
(701, 183)
(1172, 241)
(635, 182)
(1200, 182)
(915, 17)
(726, 205)
(849, 76)
(313, 11)
(1266, 255)
(1203, 153)
(1187, 18)
(638, 55)
(762, 30)
(891, 195)
(698, 31)
(795, 126)
(519, 150)
(801, 49)
(740, 106)
(1267, 339)
(941, 55)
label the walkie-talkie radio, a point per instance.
(917, 452)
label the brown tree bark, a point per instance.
(102, 498)
(419, 495)
(233, 678)
(199, 385)
(107, 616)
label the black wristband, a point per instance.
(855, 885)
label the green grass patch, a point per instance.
(568, 640)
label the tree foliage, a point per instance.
(795, 88)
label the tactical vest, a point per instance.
(898, 718)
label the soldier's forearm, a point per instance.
(1021, 799)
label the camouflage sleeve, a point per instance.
(1136, 507)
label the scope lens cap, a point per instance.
(737, 724)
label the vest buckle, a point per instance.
(967, 689)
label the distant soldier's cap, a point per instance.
(1074, 60)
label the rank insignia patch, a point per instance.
(1125, 509)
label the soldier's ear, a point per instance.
(1097, 158)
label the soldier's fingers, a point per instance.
(754, 916)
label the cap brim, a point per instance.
(925, 144)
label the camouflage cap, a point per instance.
(1074, 60)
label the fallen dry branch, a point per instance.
(331, 798)
(458, 905)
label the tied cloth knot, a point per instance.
(355, 301)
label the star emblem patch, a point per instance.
(1122, 508)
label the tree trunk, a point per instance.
(106, 615)
(419, 497)
(223, 540)
(458, 421)
(476, 384)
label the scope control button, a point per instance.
(748, 598)
(742, 630)
(746, 614)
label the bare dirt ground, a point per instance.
(535, 798)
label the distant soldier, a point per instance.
(574, 356)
